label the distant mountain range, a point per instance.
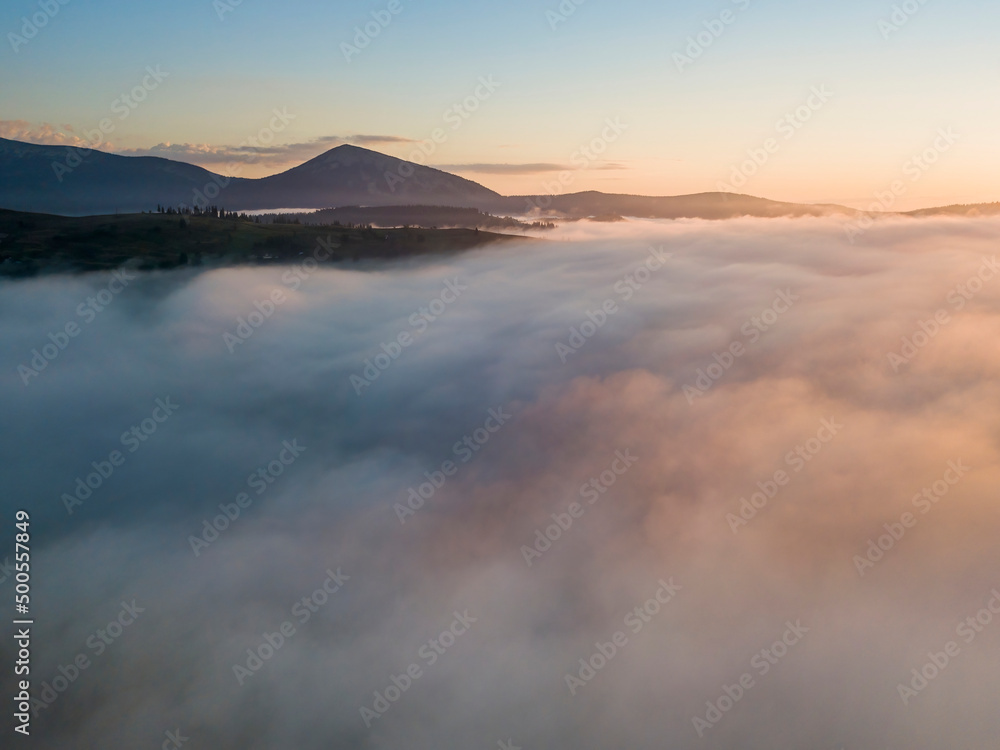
(78, 182)
(63, 180)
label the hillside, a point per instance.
(62, 180)
(34, 243)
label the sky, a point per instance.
(691, 114)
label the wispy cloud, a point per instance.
(517, 169)
(375, 139)
(42, 133)
(502, 168)
(199, 153)
(276, 155)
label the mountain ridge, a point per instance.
(79, 181)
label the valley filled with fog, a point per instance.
(644, 484)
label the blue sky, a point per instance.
(687, 129)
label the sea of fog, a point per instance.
(656, 484)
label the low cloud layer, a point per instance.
(483, 465)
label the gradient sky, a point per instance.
(686, 129)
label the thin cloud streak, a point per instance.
(202, 154)
(521, 169)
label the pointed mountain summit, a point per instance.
(350, 175)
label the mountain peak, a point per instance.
(349, 148)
